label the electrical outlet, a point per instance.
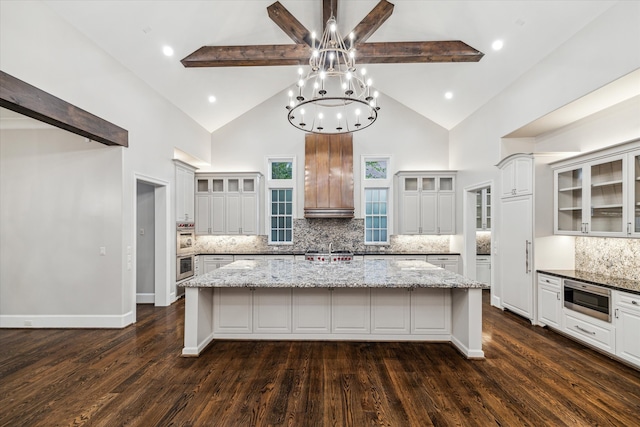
(142, 231)
(103, 250)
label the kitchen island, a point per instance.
(370, 300)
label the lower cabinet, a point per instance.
(336, 311)
(627, 318)
(549, 301)
(448, 262)
(212, 262)
(350, 311)
(483, 269)
(390, 311)
(595, 332)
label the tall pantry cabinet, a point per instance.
(526, 195)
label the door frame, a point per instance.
(469, 230)
(163, 241)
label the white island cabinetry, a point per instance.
(627, 319)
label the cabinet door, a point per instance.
(607, 216)
(311, 310)
(180, 194)
(429, 213)
(217, 208)
(549, 305)
(430, 311)
(633, 222)
(570, 201)
(272, 310)
(350, 311)
(390, 311)
(627, 335)
(507, 179)
(483, 272)
(189, 196)
(232, 310)
(203, 214)
(523, 176)
(446, 213)
(249, 224)
(233, 214)
(515, 255)
(410, 219)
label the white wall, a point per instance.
(61, 202)
(37, 46)
(413, 142)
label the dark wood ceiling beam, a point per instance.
(247, 56)
(289, 24)
(21, 97)
(329, 9)
(416, 52)
(372, 21)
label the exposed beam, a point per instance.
(372, 21)
(367, 53)
(247, 56)
(329, 8)
(21, 97)
(416, 52)
(289, 24)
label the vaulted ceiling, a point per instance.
(135, 32)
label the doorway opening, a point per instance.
(477, 235)
(151, 254)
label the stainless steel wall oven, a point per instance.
(592, 300)
(185, 250)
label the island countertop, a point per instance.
(354, 274)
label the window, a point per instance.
(376, 187)
(375, 219)
(280, 200)
(281, 215)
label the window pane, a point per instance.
(383, 208)
(376, 208)
(287, 222)
(368, 235)
(376, 215)
(274, 208)
(274, 222)
(375, 169)
(289, 195)
(281, 170)
(281, 216)
(287, 235)
(289, 205)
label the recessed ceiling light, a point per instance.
(497, 45)
(448, 95)
(212, 99)
(167, 50)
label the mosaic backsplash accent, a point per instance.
(483, 242)
(608, 256)
(316, 234)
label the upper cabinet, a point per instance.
(228, 203)
(426, 202)
(516, 175)
(184, 191)
(483, 209)
(599, 194)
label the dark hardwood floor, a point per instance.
(135, 376)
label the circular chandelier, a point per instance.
(332, 97)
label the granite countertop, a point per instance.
(354, 274)
(617, 283)
(354, 253)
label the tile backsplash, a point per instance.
(609, 256)
(483, 242)
(316, 234)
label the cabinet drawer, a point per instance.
(444, 258)
(598, 336)
(543, 279)
(629, 301)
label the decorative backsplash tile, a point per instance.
(483, 242)
(316, 234)
(609, 256)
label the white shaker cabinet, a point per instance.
(351, 311)
(431, 311)
(212, 262)
(426, 202)
(228, 204)
(185, 191)
(516, 174)
(311, 310)
(483, 269)
(390, 311)
(272, 310)
(550, 301)
(233, 310)
(448, 262)
(627, 320)
(483, 209)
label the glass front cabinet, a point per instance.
(599, 197)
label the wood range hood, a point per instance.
(328, 176)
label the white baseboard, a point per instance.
(66, 321)
(145, 298)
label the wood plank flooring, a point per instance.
(136, 377)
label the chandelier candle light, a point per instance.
(332, 98)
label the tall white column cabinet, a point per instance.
(185, 191)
